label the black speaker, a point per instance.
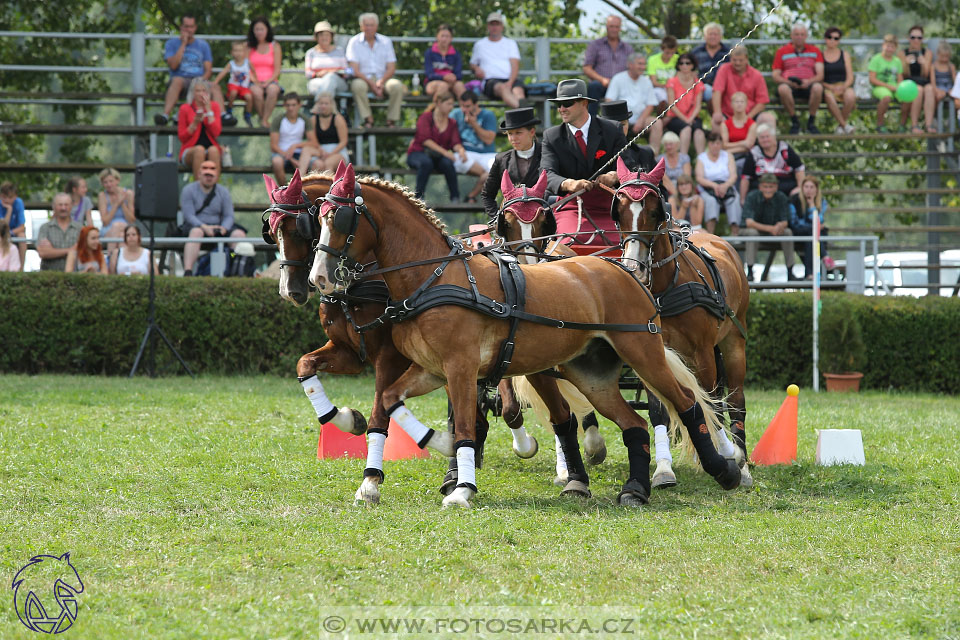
(156, 196)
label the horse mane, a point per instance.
(399, 189)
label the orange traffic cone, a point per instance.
(400, 446)
(334, 443)
(778, 444)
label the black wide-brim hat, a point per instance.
(519, 119)
(575, 89)
(615, 110)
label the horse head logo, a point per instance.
(31, 593)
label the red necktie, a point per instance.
(583, 145)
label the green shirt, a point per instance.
(663, 71)
(764, 211)
(886, 70)
(60, 239)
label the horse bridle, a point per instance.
(346, 220)
(647, 238)
(501, 216)
(305, 214)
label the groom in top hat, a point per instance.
(636, 157)
(521, 163)
(572, 153)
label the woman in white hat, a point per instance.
(325, 63)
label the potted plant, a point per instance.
(842, 351)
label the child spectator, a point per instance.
(838, 80)
(807, 208)
(292, 140)
(443, 65)
(496, 61)
(661, 67)
(916, 61)
(685, 115)
(436, 145)
(9, 256)
(886, 72)
(330, 129)
(325, 64)
(687, 204)
(717, 176)
(239, 77)
(739, 131)
(87, 255)
(12, 212)
(942, 73)
(80, 203)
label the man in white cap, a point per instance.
(496, 61)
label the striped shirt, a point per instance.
(797, 65)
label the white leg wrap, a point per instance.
(318, 398)
(561, 460)
(466, 467)
(522, 443)
(726, 448)
(661, 443)
(375, 442)
(409, 423)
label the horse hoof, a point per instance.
(594, 448)
(576, 488)
(663, 477)
(729, 478)
(560, 480)
(746, 480)
(633, 494)
(459, 497)
(739, 456)
(359, 423)
(532, 451)
(442, 443)
(368, 493)
(449, 482)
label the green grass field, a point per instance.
(199, 510)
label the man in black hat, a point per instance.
(636, 157)
(522, 162)
(572, 153)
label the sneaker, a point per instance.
(840, 130)
(228, 119)
(849, 128)
(829, 263)
(795, 127)
(750, 273)
(160, 119)
(811, 127)
(187, 273)
(248, 118)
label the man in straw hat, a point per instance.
(572, 153)
(522, 162)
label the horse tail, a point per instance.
(528, 397)
(678, 433)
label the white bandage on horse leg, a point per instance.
(726, 448)
(409, 423)
(661, 443)
(318, 398)
(561, 459)
(466, 467)
(375, 442)
(521, 441)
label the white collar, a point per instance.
(526, 155)
(585, 128)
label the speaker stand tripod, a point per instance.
(152, 327)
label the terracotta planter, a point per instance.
(843, 381)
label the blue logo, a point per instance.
(31, 589)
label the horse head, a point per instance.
(638, 210)
(293, 231)
(524, 215)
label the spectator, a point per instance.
(805, 207)
(663, 66)
(478, 130)
(330, 129)
(80, 203)
(886, 72)
(57, 237)
(738, 76)
(239, 80)
(767, 213)
(676, 163)
(373, 60)
(198, 125)
(771, 156)
(917, 60)
(942, 73)
(9, 255)
(739, 132)
(496, 61)
(12, 212)
(292, 140)
(605, 58)
(114, 200)
(687, 204)
(798, 72)
(838, 80)
(443, 65)
(707, 55)
(87, 255)
(436, 145)
(635, 86)
(684, 117)
(522, 161)
(207, 211)
(326, 63)
(131, 258)
(573, 152)
(636, 157)
(717, 177)
(188, 57)
(265, 59)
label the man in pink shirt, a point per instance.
(738, 75)
(798, 72)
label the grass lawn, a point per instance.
(199, 510)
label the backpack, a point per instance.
(240, 266)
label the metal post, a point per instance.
(933, 218)
(542, 59)
(138, 82)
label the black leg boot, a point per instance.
(724, 471)
(578, 482)
(636, 491)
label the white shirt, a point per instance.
(638, 93)
(371, 60)
(291, 133)
(585, 128)
(494, 57)
(526, 155)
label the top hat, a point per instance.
(575, 89)
(615, 110)
(519, 119)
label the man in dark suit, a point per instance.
(522, 162)
(637, 157)
(572, 153)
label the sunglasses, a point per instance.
(916, 37)
(685, 62)
(833, 37)
(566, 104)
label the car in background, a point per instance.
(904, 273)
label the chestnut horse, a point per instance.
(346, 351)
(711, 317)
(581, 315)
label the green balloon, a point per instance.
(907, 91)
